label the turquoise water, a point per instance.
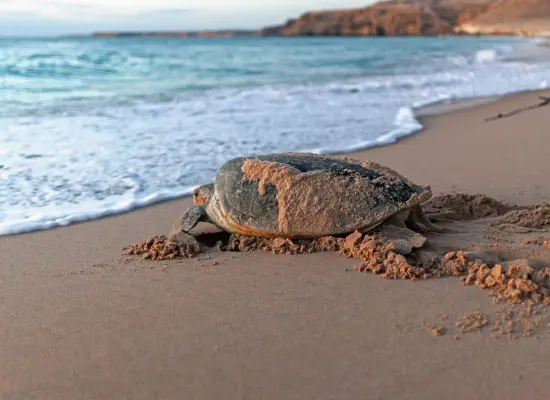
(90, 127)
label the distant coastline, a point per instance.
(179, 34)
(396, 18)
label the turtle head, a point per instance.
(202, 194)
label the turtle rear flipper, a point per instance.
(403, 239)
(421, 222)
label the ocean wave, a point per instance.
(486, 56)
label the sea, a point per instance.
(94, 127)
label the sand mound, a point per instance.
(399, 240)
(517, 281)
(380, 259)
(464, 207)
(160, 248)
(533, 218)
(283, 246)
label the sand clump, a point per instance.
(464, 207)
(380, 257)
(473, 322)
(533, 218)
(504, 323)
(437, 330)
(160, 248)
(244, 243)
(541, 241)
(518, 281)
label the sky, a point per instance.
(58, 17)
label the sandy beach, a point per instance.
(82, 320)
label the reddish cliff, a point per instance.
(522, 17)
(391, 18)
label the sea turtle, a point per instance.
(302, 195)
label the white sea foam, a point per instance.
(486, 56)
(50, 217)
(67, 164)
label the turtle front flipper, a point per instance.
(190, 218)
(180, 231)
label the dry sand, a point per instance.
(81, 320)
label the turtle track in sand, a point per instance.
(465, 207)
(503, 263)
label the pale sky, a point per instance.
(55, 17)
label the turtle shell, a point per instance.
(302, 195)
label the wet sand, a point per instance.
(82, 320)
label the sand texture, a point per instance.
(461, 314)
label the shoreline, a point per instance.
(192, 37)
(421, 115)
(80, 319)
